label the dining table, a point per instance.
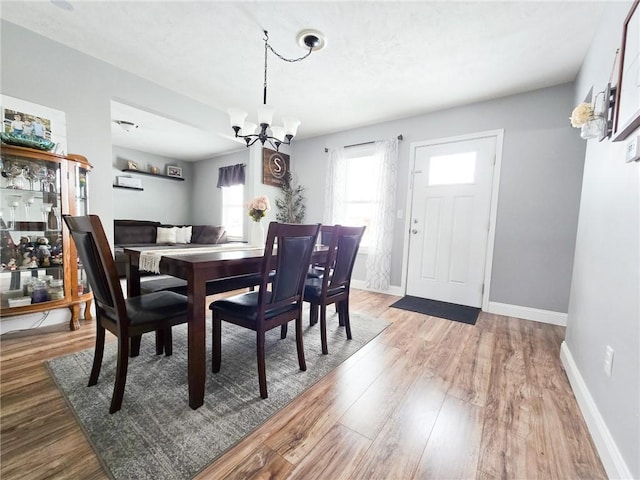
(197, 268)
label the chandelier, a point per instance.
(264, 131)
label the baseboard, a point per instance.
(610, 456)
(362, 285)
(34, 321)
(527, 313)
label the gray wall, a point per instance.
(539, 188)
(50, 74)
(604, 307)
(206, 193)
(207, 198)
(162, 200)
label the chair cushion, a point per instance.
(154, 307)
(315, 272)
(313, 290)
(245, 305)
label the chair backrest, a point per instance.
(326, 234)
(291, 260)
(95, 254)
(343, 249)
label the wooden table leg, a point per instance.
(197, 341)
(133, 277)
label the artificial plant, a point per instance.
(291, 207)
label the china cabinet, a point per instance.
(40, 268)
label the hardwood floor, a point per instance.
(428, 398)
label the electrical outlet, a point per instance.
(608, 360)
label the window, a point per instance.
(454, 169)
(361, 190)
(361, 199)
(233, 210)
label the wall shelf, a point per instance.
(157, 175)
(128, 188)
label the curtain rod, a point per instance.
(326, 150)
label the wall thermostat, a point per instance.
(633, 151)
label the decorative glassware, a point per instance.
(31, 174)
(13, 206)
(42, 174)
(45, 209)
(10, 172)
(28, 202)
(53, 220)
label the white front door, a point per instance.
(450, 215)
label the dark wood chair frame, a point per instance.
(268, 308)
(335, 284)
(128, 318)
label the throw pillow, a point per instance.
(183, 234)
(208, 234)
(166, 235)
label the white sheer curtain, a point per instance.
(380, 230)
(336, 190)
(382, 224)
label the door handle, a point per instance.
(414, 231)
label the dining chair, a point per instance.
(334, 286)
(127, 318)
(318, 268)
(284, 272)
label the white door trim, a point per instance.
(495, 183)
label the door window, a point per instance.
(457, 169)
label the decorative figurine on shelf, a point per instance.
(44, 252)
(56, 252)
(29, 260)
(8, 249)
(10, 265)
(24, 246)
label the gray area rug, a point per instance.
(156, 435)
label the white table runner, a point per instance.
(150, 259)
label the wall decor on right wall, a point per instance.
(627, 109)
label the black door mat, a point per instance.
(450, 311)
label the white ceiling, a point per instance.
(383, 60)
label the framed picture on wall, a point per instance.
(174, 171)
(627, 109)
(275, 166)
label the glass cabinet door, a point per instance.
(81, 189)
(30, 231)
